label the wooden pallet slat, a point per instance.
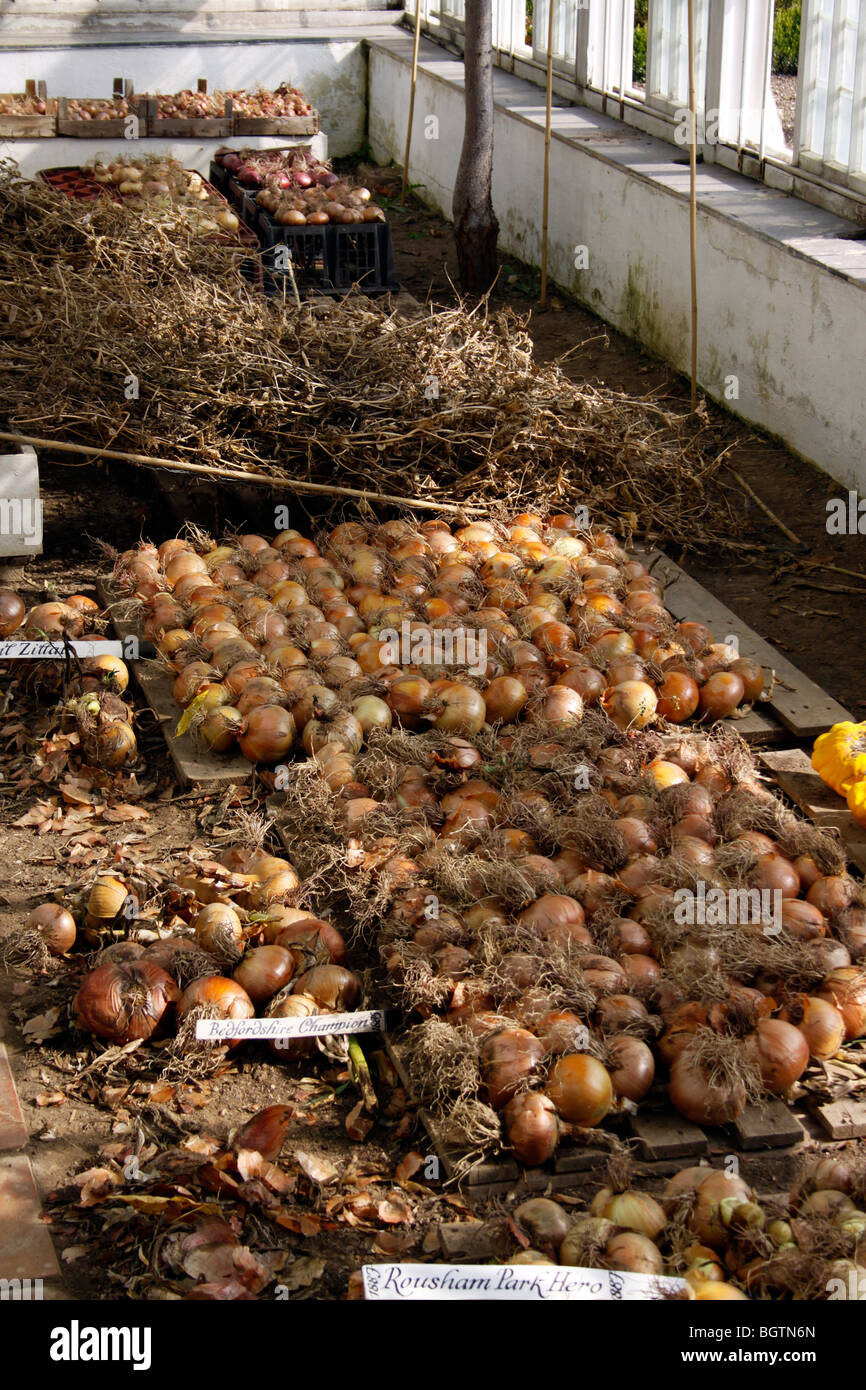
(206, 771)
(842, 1119)
(771, 1125)
(801, 705)
(794, 774)
(667, 1135)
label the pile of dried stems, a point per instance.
(334, 392)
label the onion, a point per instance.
(832, 894)
(721, 694)
(632, 1068)
(632, 1210)
(218, 930)
(12, 612)
(264, 971)
(55, 925)
(269, 734)
(783, 1054)
(630, 705)
(504, 698)
(692, 1095)
(820, 1023)
(124, 1002)
(846, 988)
(215, 991)
(532, 1126)
(286, 1005)
(581, 1089)
(332, 986)
(678, 697)
(544, 1221)
(506, 1058)
(706, 1219)
(634, 1253)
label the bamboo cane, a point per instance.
(236, 475)
(547, 123)
(693, 205)
(415, 46)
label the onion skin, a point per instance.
(544, 1221)
(632, 1069)
(264, 971)
(532, 1126)
(783, 1054)
(692, 1097)
(581, 1089)
(633, 1253)
(332, 986)
(506, 1058)
(124, 1002)
(55, 925)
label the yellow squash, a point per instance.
(839, 758)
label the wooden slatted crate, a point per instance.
(30, 127)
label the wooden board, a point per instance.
(801, 705)
(277, 125)
(207, 771)
(666, 1134)
(793, 772)
(843, 1119)
(771, 1125)
(187, 127)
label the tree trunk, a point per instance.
(475, 226)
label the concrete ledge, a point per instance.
(782, 329)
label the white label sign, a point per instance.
(316, 1026)
(400, 1283)
(45, 651)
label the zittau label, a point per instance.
(401, 1283)
(48, 651)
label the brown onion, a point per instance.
(55, 925)
(532, 1126)
(264, 971)
(124, 1001)
(581, 1089)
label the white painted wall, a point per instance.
(790, 330)
(332, 74)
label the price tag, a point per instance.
(56, 651)
(402, 1283)
(316, 1026)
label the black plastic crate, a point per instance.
(362, 255)
(328, 259)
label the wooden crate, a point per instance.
(30, 127)
(189, 127)
(111, 128)
(277, 125)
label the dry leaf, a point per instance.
(201, 1144)
(358, 1125)
(395, 1242)
(96, 1185)
(73, 1252)
(318, 1169)
(408, 1165)
(303, 1272)
(395, 1210)
(42, 1026)
(123, 811)
(50, 1098)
